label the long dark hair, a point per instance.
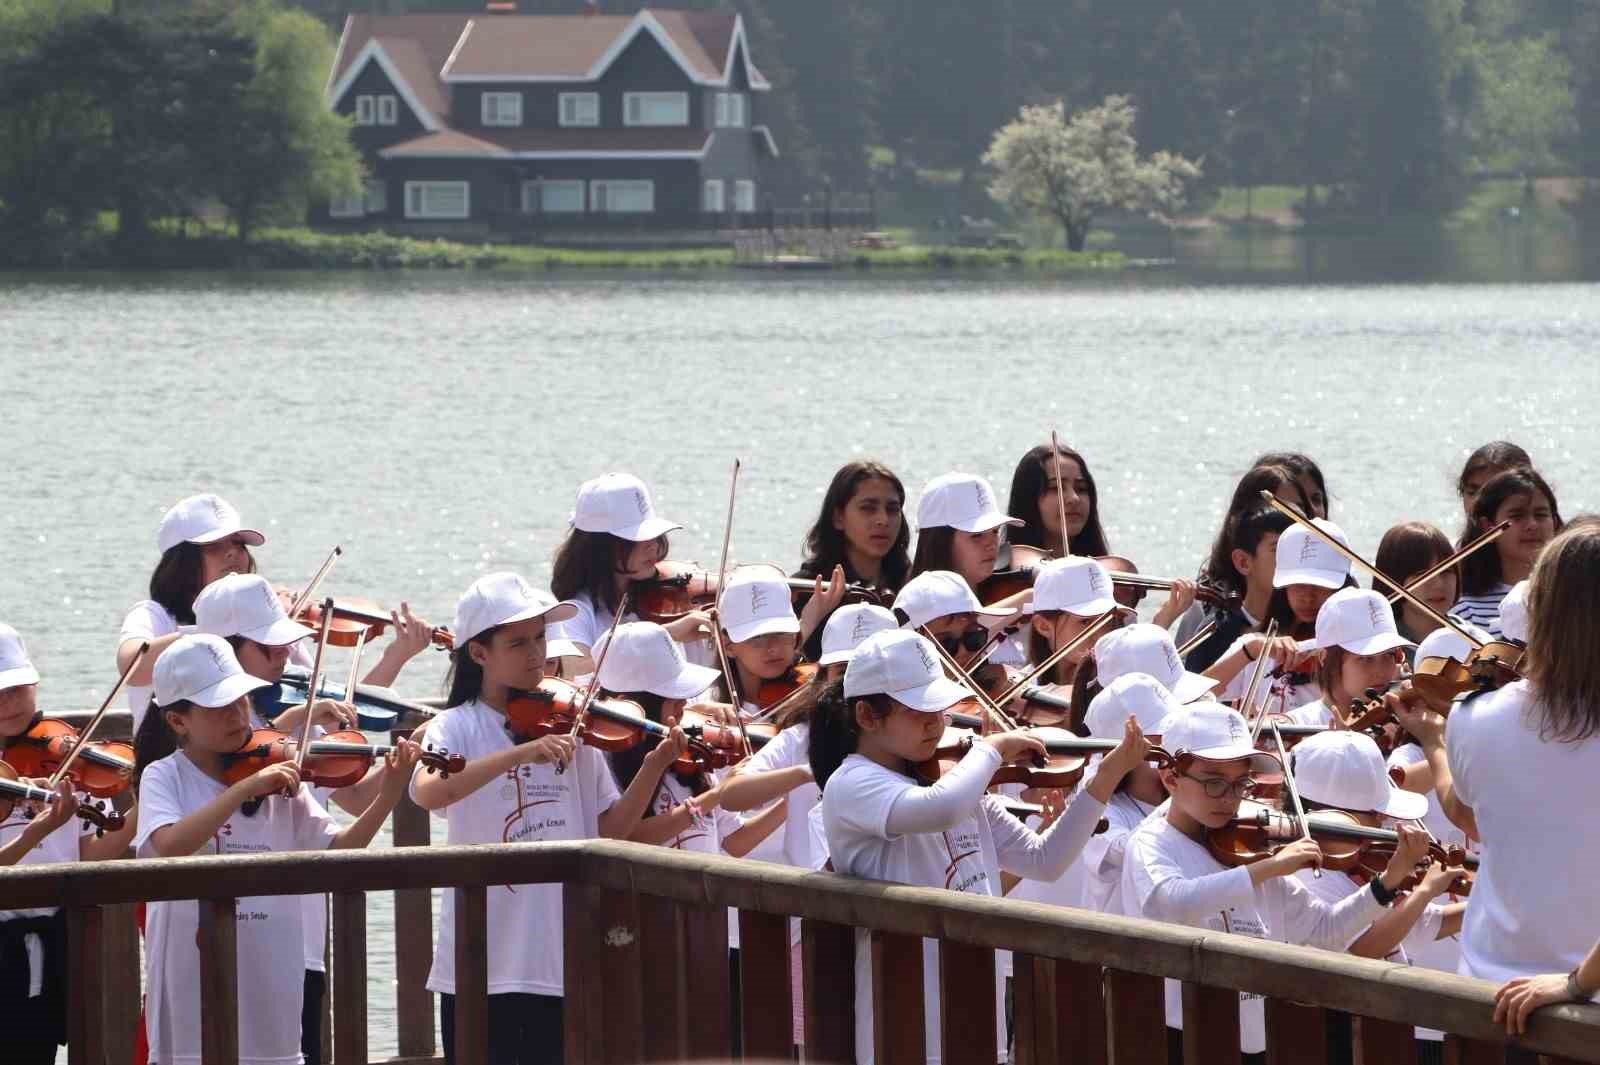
(179, 578)
(1218, 569)
(934, 550)
(589, 562)
(834, 731)
(1030, 481)
(1480, 571)
(824, 546)
(626, 764)
(463, 681)
(1563, 605)
(155, 739)
(1301, 465)
(1405, 551)
(1495, 455)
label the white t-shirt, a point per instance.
(59, 846)
(530, 803)
(1103, 855)
(1318, 714)
(1295, 695)
(148, 620)
(788, 749)
(1441, 954)
(773, 847)
(1534, 804)
(1166, 876)
(592, 622)
(270, 939)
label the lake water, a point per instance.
(437, 426)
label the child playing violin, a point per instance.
(860, 528)
(942, 603)
(1361, 649)
(516, 790)
(1069, 595)
(1034, 504)
(200, 716)
(1170, 873)
(1524, 498)
(1406, 551)
(867, 734)
(33, 942)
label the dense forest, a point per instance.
(1383, 106)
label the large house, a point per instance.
(499, 119)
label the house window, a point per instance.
(655, 109)
(388, 111)
(580, 109)
(553, 197)
(377, 197)
(437, 199)
(347, 206)
(711, 199)
(502, 109)
(366, 110)
(744, 197)
(730, 108)
(622, 197)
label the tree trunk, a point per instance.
(1077, 234)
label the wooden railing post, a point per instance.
(603, 956)
(664, 979)
(967, 1020)
(1375, 1042)
(1054, 1014)
(1296, 1034)
(1210, 1025)
(86, 1044)
(121, 1014)
(350, 978)
(1459, 1051)
(413, 939)
(765, 992)
(472, 974)
(706, 957)
(898, 1004)
(219, 982)
(1136, 1018)
(828, 970)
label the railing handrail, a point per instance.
(1315, 977)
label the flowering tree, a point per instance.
(1071, 169)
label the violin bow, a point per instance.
(960, 676)
(1437, 618)
(1294, 792)
(355, 665)
(99, 715)
(1198, 638)
(316, 682)
(1261, 667)
(1061, 499)
(1261, 718)
(1057, 655)
(316, 579)
(716, 629)
(594, 678)
(1439, 567)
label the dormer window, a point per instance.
(655, 109)
(388, 110)
(730, 109)
(366, 110)
(502, 109)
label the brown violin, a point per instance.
(103, 768)
(1488, 668)
(13, 791)
(1061, 766)
(1018, 565)
(780, 688)
(677, 590)
(361, 621)
(336, 760)
(1258, 832)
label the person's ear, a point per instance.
(1242, 560)
(838, 519)
(478, 653)
(1043, 626)
(866, 720)
(1169, 780)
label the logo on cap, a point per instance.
(1235, 729)
(641, 502)
(1173, 662)
(858, 631)
(215, 504)
(985, 500)
(216, 656)
(1373, 614)
(1097, 581)
(758, 598)
(273, 604)
(672, 645)
(927, 659)
(1308, 549)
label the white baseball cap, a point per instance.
(904, 666)
(960, 501)
(1216, 733)
(504, 599)
(202, 519)
(643, 657)
(1305, 558)
(756, 601)
(1359, 621)
(1346, 769)
(16, 668)
(1139, 694)
(1080, 586)
(1146, 648)
(619, 504)
(848, 626)
(201, 669)
(1514, 613)
(936, 594)
(243, 604)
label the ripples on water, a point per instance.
(437, 426)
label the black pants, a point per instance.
(523, 1029)
(34, 1026)
(311, 1016)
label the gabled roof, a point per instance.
(569, 143)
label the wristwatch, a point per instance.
(1575, 992)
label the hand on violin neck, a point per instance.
(1180, 597)
(1438, 880)
(1130, 752)
(1411, 851)
(1014, 746)
(56, 813)
(276, 779)
(668, 750)
(695, 625)
(412, 635)
(398, 765)
(1424, 725)
(1291, 858)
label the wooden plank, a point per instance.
(1136, 1018)
(967, 1021)
(766, 995)
(1210, 1024)
(898, 1022)
(828, 970)
(120, 1013)
(1375, 1042)
(1033, 1011)
(708, 981)
(86, 986)
(350, 978)
(1080, 1022)
(472, 974)
(602, 951)
(1296, 1034)
(664, 978)
(1460, 1051)
(413, 943)
(219, 982)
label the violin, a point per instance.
(1018, 564)
(678, 590)
(337, 760)
(1258, 832)
(1040, 706)
(612, 724)
(1062, 765)
(780, 688)
(1129, 586)
(13, 791)
(360, 621)
(1488, 668)
(103, 768)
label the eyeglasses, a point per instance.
(971, 640)
(1217, 787)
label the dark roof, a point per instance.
(419, 45)
(506, 143)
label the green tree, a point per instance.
(1071, 170)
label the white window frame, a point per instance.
(348, 206)
(713, 196)
(579, 100)
(543, 188)
(388, 110)
(501, 99)
(366, 110)
(377, 196)
(730, 110)
(744, 197)
(640, 99)
(424, 213)
(600, 190)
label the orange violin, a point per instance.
(103, 768)
(677, 590)
(361, 620)
(337, 760)
(13, 791)
(612, 724)
(780, 688)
